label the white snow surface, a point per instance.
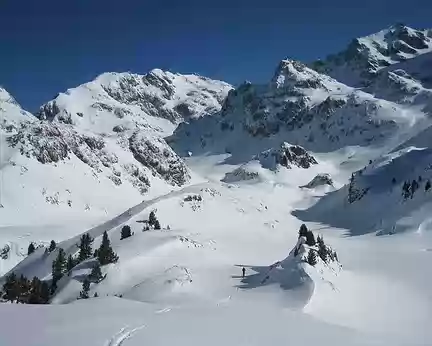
(224, 203)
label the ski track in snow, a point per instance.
(122, 335)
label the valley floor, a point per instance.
(182, 285)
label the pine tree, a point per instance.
(157, 224)
(125, 232)
(394, 181)
(152, 218)
(414, 187)
(303, 231)
(70, 264)
(312, 258)
(96, 295)
(105, 252)
(31, 249)
(96, 273)
(322, 249)
(406, 190)
(24, 289)
(35, 291)
(84, 294)
(11, 288)
(45, 293)
(52, 246)
(58, 268)
(310, 238)
(85, 247)
(427, 185)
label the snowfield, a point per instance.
(231, 176)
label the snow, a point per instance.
(229, 194)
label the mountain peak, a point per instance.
(365, 56)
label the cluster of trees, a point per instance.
(317, 248)
(410, 187)
(21, 290)
(39, 292)
(152, 222)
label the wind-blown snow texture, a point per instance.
(243, 169)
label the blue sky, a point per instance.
(48, 46)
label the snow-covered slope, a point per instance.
(230, 193)
(365, 56)
(97, 149)
(398, 181)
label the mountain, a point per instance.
(114, 102)
(366, 56)
(298, 202)
(302, 107)
(95, 150)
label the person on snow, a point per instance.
(243, 271)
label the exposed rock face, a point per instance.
(319, 180)
(286, 156)
(156, 155)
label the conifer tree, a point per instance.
(322, 249)
(45, 293)
(31, 249)
(52, 246)
(85, 247)
(428, 185)
(105, 252)
(84, 294)
(152, 218)
(11, 288)
(310, 238)
(303, 231)
(35, 291)
(70, 264)
(96, 273)
(312, 258)
(24, 289)
(58, 268)
(125, 232)
(157, 224)
(96, 295)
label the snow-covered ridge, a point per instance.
(365, 56)
(157, 99)
(299, 106)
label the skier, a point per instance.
(243, 271)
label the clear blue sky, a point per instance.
(47, 46)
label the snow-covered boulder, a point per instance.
(242, 173)
(319, 180)
(286, 156)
